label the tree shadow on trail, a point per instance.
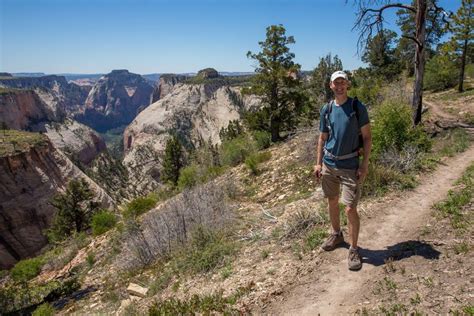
(399, 251)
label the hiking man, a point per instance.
(341, 123)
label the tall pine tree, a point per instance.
(277, 80)
(172, 161)
(463, 34)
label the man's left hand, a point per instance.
(362, 174)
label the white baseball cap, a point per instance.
(338, 74)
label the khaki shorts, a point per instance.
(333, 178)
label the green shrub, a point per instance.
(440, 73)
(252, 164)
(208, 250)
(102, 222)
(236, 150)
(202, 305)
(392, 129)
(316, 237)
(140, 205)
(26, 269)
(469, 71)
(44, 310)
(188, 177)
(381, 178)
(255, 159)
(262, 139)
(457, 141)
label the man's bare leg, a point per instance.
(354, 225)
(334, 213)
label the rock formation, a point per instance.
(32, 172)
(165, 86)
(196, 112)
(25, 110)
(62, 97)
(115, 100)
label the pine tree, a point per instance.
(277, 80)
(380, 55)
(321, 76)
(172, 161)
(75, 208)
(463, 33)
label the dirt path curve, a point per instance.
(438, 112)
(334, 290)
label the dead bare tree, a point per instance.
(371, 21)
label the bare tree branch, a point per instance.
(370, 20)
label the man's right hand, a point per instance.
(318, 169)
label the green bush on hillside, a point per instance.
(140, 205)
(262, 139)
(44, 310)
(188, 177)
(102, 222)
(236, 150)
(392, 129)
(27, 269)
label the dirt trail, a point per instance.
(334, 290)
(438, 112)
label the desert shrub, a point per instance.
(102, 222)
(188, 177)
(253, 160)
(162, 233)
(208, 249)
(27, 269)
(441, 73)
(44, 310)
(262, 139)
(392, 129)
(382, 178)
(140, 205)
(236, 150)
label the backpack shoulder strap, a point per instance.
(355, 107)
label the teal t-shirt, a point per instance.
(344, 136)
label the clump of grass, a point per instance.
(208, 249)
(453, 205)
(461, 248)
(456, 142)
(316, 237)
(255, 159)
(210, 304)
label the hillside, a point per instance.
(266, 258)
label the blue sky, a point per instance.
(147, 36)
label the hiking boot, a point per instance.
(333, 241)
(355, 260)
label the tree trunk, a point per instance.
(420, 21)
(463, 65)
